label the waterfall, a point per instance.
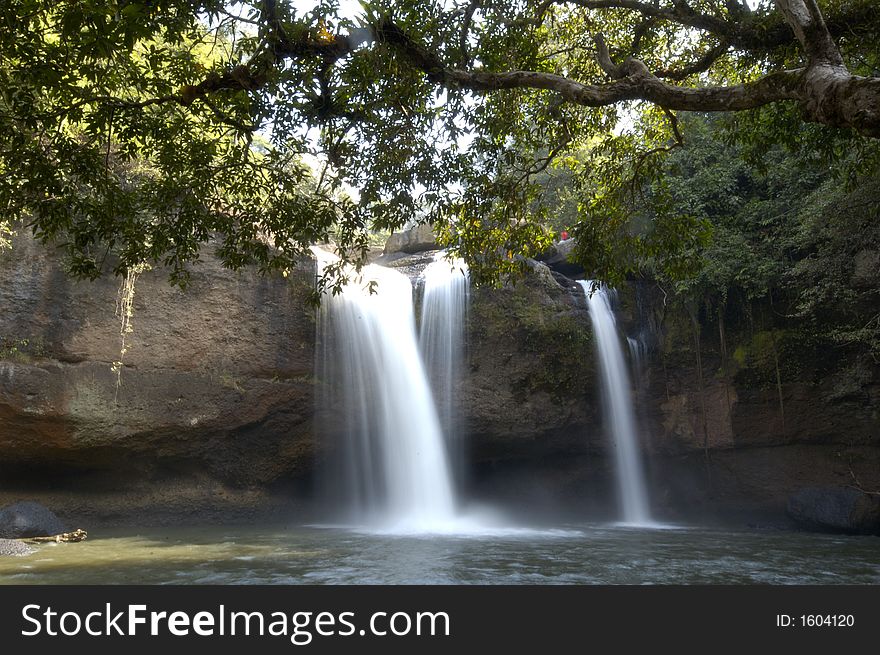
(393, 471)
(618, 406)
(638, 353)
(441, 338)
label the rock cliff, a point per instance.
(215, 395)
(214, 415)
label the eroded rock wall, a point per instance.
(743, 408)
(216, 392)
(214, 418)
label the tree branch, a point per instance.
(810, 29)
(828, 93)
(611, 69)
(680, 13)
(701, 65)
(465, 28)
(638, 34)
(835, 98)
(228, 120)
(748, 31)
(640, 85)
(679, 141)
(542, 164)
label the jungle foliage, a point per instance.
(136, 131)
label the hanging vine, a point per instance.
(125, 312)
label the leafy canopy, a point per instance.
(138, 130)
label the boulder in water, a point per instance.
(835, 509)
(28, 519)
(13, 548)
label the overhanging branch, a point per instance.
(844, 101)
(701, 65)
(636, 84)
(742, 30)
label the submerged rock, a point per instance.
(12, 548)
(835, 509)
(28, 519)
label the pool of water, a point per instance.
(566, 554)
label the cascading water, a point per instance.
(394, 469)
(638, 353)
(441, 339)
(619, 409)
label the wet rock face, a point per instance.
(866, 269)
(217, 380)
(835, 509)
(216, 401)
(28, 519)
(530, 384)
(741, 412)
(557, 258)
(215, 409)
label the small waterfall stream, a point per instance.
(441, 339)
(394, 471)
(618, 406)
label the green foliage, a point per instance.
(88, 159)
(6, 234)
(788, 229)
(136, 131)
(21, 350)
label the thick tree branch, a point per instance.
(636, 84)
(835, 98)
(830, 94)
(734, 32)
(466, 20)
(809, 27)
(825, 89)
(745, 31)
(680, 12)
(630, 66)
(611, 69)
(701, 65)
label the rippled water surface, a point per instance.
(570, 554)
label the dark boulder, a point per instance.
(557, 258)
(835, 509)
(28, 519)
(12, 548)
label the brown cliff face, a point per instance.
(759, 412)
(734, 419)
(214, 417)
(530, 402)
(215, 395)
